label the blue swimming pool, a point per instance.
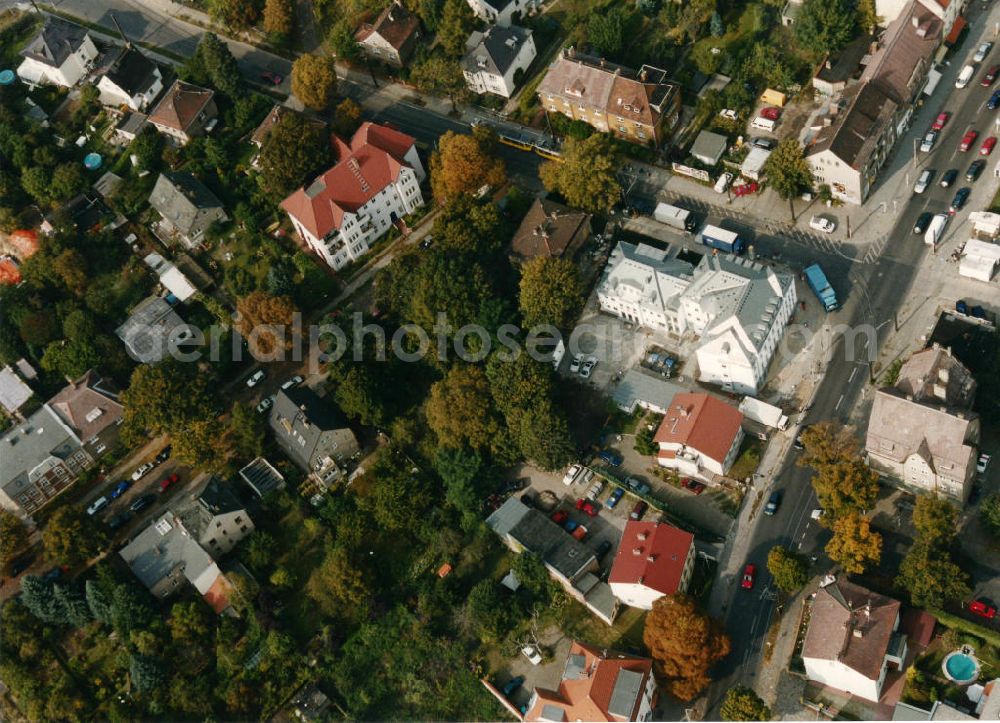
(961, 667)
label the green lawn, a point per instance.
(748, 461)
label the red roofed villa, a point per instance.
(654, 560)
(597, 685)
(375, 183)
(699, 435)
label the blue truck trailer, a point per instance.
(720, 238)
(821, 287)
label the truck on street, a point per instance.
(678, 218)
(719, 238)
(821, 287)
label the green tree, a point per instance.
(146, 673)
(989, 513)
(259, 550)
(743, 704)
(282, 578)
(456, 23)
(295, 148)
(936, 520)
(472, 226)
(931, 577)
(542, 433)
(487, 612)
(585, 176)
(190, 622)
(314, 80)
(39, 597)
(346, 118)
(234, 14)
(518, 383)
(826, 26)
(717, 28)
(786, 168)
(164, 397)
(217, 60)
(360, 396)
(339, 589)
(789, 569)
(644, 442)
(530, 571)
(245, 431)
(202, 444)
(278, 18)
(342, 42)
(460, 470)
(868, 18)
(459, 409)
(551, 292)
(101, 603)
(74, 609)
(843, 483)
(854, 545)
(13, 536)
(442, 76)
(71, 538)
(36, 182)
(68, 180)
(606, 30)
(461, 164)
(147, 149)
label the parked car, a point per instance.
(797, 443)
(637, 486)
(768, 144)
(923, 181)
(595, 490)
(967, 141)
(960, 199)
(941, 121)
(773, 503)
(820, 223)
(142, 503)
(293, 382)
(988, 146)
(587, 506)
(638, 511)
(574, 366)
(587, 367)
(983, 609)
(949, 177)
(770, 113)
(426, 243)
(748, 574)
(990, 77)
(532, 654)
(97, 505)
(265, 404)
(256, 378)
(166, 483)
(571, 474)
(975, 170)
(615, 498)
(273, 78)
(119, 489)
(961, 306)
(692, 485)
(164, 454)
(994, 102)
(982, 463)
(610, 457)
(512, 685)
(52, 575)
(923, 221)
(603, 549)
(142, 470)
(118, 520)
(981, 52)
(560, 517)
(746, 189)
(927, 144)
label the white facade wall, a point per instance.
(846, 183)
(503, 18)
(637, 595)
(692, 462)
(839, 676)
(112, 95)
(486, 82)
(67, 75)
(645, 711)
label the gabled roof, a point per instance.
(307, 427)
(934, 376)
(214, 499)
(55, 42)
(132, 71)
(910, 40)
(651, 554)
(162, 551)
(180, 107)
(855, 130)
(87, 405)
(700, 422)
(30, 444)
(179, 196)
(395, 25)
(550, 229)
(495, 50)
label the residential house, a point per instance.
(551, 230)
(177, 285)
(497, 59)
(184, 111)
(949, 12)
(699, 436)
(708, 147)
(128, 127)
(739, 308)
(639, 106)
(654, 559)
(597, 685)
(502, 12)
(571, 563)
(375, 183)
(641, 389)
(392, 38)
(261, 477)
(309, 703)
(61, 54)
(186, 207)
(39, 458)
(840, 69)
(152, 330)
(852, 639)
(132, 80)
(13, 391)
(922, 431)
(90, 407)
(215, 517)
(313, 434)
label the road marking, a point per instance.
(853, 372)
(839, 401)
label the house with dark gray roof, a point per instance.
(61, 54)
(152, 329)
(131, 80)
(187, 207)
(215, 517)
(313, 434)
(501, 12)
(497, 59)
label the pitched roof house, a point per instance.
(552, 230)
(597, 685)
(90, 407)
(151, 329)
(375, 183)
(183, 111)
(62, 53)
(851, 639)
(495, 57)
(699, 435)
(313, 434)
(131, 79)
(215, 517)
(186, 206)
(654, 559)
(922, 432)
(393, 36)
(501, 12)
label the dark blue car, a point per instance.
(609, 457)
(119, 490)
(994, 102)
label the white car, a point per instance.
(142, 470)
(923, 182)
(981, 52)
(571, 474)
(293, 382)
(982, 463)
(265, 404)
(595, 490)
(817, 514)
(532, 654)
(574, 366)
(964, 76)
(256, 378)
(819, 223)
(928, 142)
(588, 367)
(99, 504)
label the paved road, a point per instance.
(874, 293)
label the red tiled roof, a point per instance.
(371, 162)
(218, 594)
(181, 105)
(665, 544)
(10, 274)
(701, 422)
(395, 25)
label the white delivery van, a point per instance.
(763, 124)
(723, 183)
(965, 76)
(936, 228)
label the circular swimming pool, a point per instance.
(961, 666)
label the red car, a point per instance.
(272, 78)
(748, 572)
(560, 516)
(770, 113)
(691, 486)
(983, 609)
(991, 75)
(745, 189)
(987, 147)
(967, 140)
(941, 121)
(166, 483)
(587, 506)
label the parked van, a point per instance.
(965, 76)
(765, 124)
(723, 183)
(936, 228)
